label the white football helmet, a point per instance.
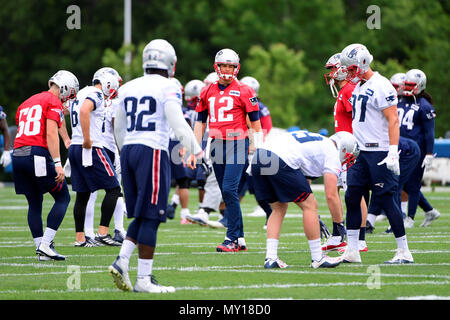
(251, 82)
(415, 82)
(110, 70)
(227, 56)
(109, 82)
(398, 81)
(210, 78)
(159, 54)
(336, 73)
(192, 92)
(67, 83)
(355, 58)
(347, 146)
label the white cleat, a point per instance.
(430, 216)
(351, 256)
(274, 264)
(119, 272)
(201, 217)
(43, 258)
(402, 256)
(49, 252)
(408, 222)
(258, 212)
(380, 217)
(326, 262)
(150, 285)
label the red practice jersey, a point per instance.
(31, 119)
(343, 109)
(227, 109)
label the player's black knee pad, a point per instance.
(183, 183)
(201, 184)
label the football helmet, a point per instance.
(355, 59)
(210, 78)
(415, 82)
(227, 56)
(398, 81)
(109, 82)
(251, 82)
(178, 83)
(159, 54)
(192, 92)
(110, 70)
(67, 83)
(336, 73)
(347, 147)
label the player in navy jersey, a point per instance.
(5, 159)
(375, 127)
(417, 120)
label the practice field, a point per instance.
(186, 258)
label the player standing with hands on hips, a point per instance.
(376, 129)
(227, 104)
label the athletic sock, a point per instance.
(362, 233)
(402, 243)
(316, 249)
(272, 248)
(353, 239)
(127, 249)
(49, 235)
(144, 267)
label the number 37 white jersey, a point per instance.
(143, 100)
(369, 99)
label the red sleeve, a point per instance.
(54, 111)
(266, 123)
(249, 99)
(346, 95)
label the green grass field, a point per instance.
(186, 258)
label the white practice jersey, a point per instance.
(109, 142)
(369, 99)
(96, 116)
(143, 100)
(310, 152)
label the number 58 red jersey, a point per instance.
(31, 119)
(227, 109)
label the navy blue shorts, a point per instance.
(25, 180)
(366, 173)
(101, 175)
(273, 180)
(146, 181)
(177, 169)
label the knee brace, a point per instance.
(183, 183)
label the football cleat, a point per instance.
(119, 236)
(401, 256)
(222, 223)
(333, 243)
(170, 211)
(258, 212)
(149, 284)
(200, 218)
(326, 262)
(119, 271)
(49, 251)
(408, 222)
(86, 244)
(351, 256)
(184, 221)
(369, 227)
(430, 216)
(43, 258)
(362, 247)
(242, 246)
(107, 240)
(228, 246)
(274, 264)
(388, 230)
(380, 217)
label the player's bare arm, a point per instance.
(64, 135)
(394, 130)
(85, 120)
(332, 196)
(53, 148)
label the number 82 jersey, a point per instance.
(31, 119)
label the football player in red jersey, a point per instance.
(227, 104)
(342, 122)
(36, 159)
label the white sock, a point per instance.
(272, 248)
(144, 267)
(402, 243)
(49, 235)
(316, 249)
(176, 199)
(241, 242)
(353, 239)
(404, 206)
(371, 218)
(184, 212)
(89, 219)
(37, 241)
(127, 249)
(118, 214)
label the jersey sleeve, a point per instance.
(249, 99)
(332, 163)
(202, 102)
(346, 96)
(97, 99)
(54, 111)
(387, 95)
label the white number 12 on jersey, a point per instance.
(221, 110)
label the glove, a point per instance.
(324, 232)
(67, 168)
(392, 160)
(5, 159)
(201, 161)
(427, 161)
